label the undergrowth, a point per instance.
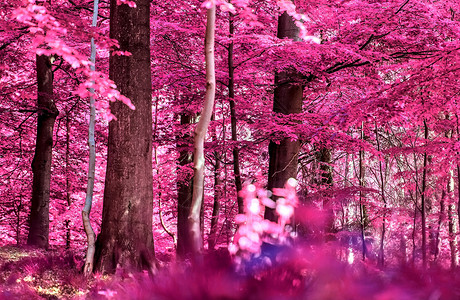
(264, 261)
(287, 273)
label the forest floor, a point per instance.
(27, 273)
(30, 273)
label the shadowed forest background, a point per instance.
(245, 149)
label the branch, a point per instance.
(14, 39)
(87, 9)
(367, 42)
(402, 6)
(341, 65)
(169, 232)
(248, 59)
(373, 37)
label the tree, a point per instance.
(91, 237)
(126, 237)
(41, 164)
(231, 96)
(194, 217)
(287, 100)
(184, 188)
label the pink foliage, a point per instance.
(375, 72)
(253, 229)
(48, 38)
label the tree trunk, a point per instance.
(452, 238)
(41, 164)
(382, 191)
(67, 178)
(126, 237)
(403, 250)
(217, 197)
(200, 135)
(324, 157)
(414, 232)
(362, 207)
(184, 189)
(287, 100)
(450, 212)
(423, 198)
(231, 96)
(212, 241)
(458, 177)
(437, 235)
(90, 235)
(458, 193)
(18, 224)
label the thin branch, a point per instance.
(402, 6)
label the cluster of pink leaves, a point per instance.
(253, 229)
(244, 10)
(48, 39)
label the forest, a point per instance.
(230, 149)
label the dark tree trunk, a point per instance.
(212, 239)
(325, 157)
(231, 96)
(381, 257)
(287, 100)
(403, 250)
(41, 164)
(67, 179)
(423, 199)
(184, 189)
(364, 220)
(126, 231)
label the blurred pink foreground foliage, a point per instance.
(266, 260)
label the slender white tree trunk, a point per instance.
(91, 236)
(200, 135)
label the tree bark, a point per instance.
(458, 177)
(324, 158)
(67, 178)
(450, 210)
(423, 198)
(41, 164)
(184, 190)
(458, 193)
(403, 250)
(287, 100)
(212, 239)
(362, 207)
(381, 260)
(452, 238)
(126, 237)
(200, 136)
(437, 234)
(231, 96)
(90, 235)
